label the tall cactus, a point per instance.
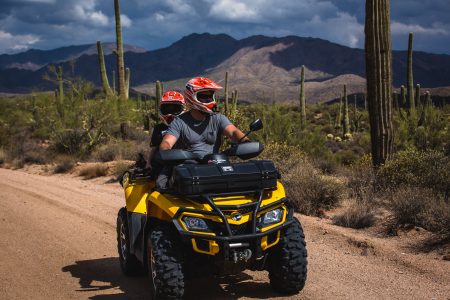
(302, 98)
(119, 50)
(114, 82)
(234, 100)
(417, 94)
(339, 115)
(409, 75)
(403, 95)
(378, 56)
(127, 83)
(346, 123)
(60, 80)
(103, 76)
(226, 93)
(158, 96)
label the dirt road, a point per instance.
(58, 241)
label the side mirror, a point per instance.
(256, 125)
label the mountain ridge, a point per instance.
(257, 61)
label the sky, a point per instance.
(153, 24)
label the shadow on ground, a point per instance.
(104, 274)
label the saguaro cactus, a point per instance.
(346, 124)
(119, 50)
(226, 93)
(234, 100)
(127, 83)
(103, 76)
(417, 94)
(302, 98)
(59, 78)
(339, 115)
(158, 96)
(409, 75)
(378, 55)
(114, 81)
(403, 95)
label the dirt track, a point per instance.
(58, 241)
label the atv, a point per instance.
(217, 218)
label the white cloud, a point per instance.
(12, 43)
(400, 28)
(125, 21)
(233, 10)
(85, 11)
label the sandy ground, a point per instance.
(58, 241)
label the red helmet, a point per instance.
(200, 94)
(172, 104)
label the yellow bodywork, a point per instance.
(142, 199)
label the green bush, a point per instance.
(429, 169)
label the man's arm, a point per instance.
(234, 134)
(167, 142)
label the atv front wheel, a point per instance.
(287, 262)
(165, 264)
(128, 262)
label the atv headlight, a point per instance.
(272, 217)
(193, 223)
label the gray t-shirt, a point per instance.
(199, 137)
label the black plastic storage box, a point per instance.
(193, 179)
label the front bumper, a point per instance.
(224, 242)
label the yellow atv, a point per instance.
(216, 218)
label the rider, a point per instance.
(172, 104)
(200, 129)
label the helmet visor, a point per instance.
(206, 96)
(171, 109)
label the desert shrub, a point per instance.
(361, 182)
(3, 156)
(107, 152)
(17, 163)
(120, 150)
(419, 206)
(121, 166)
(93, 171)
(307, 188)
(70, 141)
(430, 169)
(64, 164)
(326, 166)
(359, 214)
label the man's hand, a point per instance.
(167, 142)
(235, 134)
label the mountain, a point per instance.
(261, 68)
(35, 59)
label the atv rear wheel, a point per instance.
(165, 264)
(287, 262)
(129, 264)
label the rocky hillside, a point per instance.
(261, 68)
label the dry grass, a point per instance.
(416, 206)
(64, 164)
(307, 188)
(121, 167)
(3, 156)
(358, 214)
(94, 171)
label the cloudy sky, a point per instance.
(46, 24)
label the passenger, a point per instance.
(199, 130)
(172, 104)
